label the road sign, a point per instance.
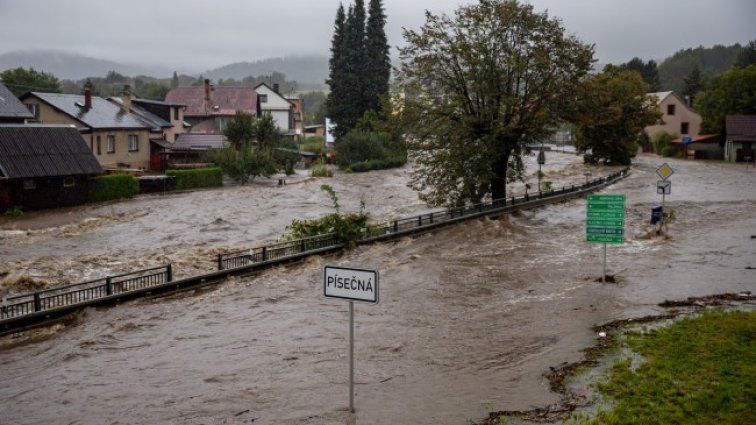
(665, 171)
(350, 284)
(541, 157)
(663, 187)
(605, 218)
(686, 139)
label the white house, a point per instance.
(272, 102)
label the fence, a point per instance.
(81, 293)
(18, 310)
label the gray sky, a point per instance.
(194, 35)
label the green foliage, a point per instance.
(240, 130)
(377, 164)
(359, 67)
(359, 146)
(613, 110)
(197, 178)
(644, 141)
(112, 186)
(710, 61)
(320, 169)
(747, 56)
(314, 105)
(14, 211)
(466, 113)
(315, 144)
(648, 71)
(662, 143)
(692, 84)
(20, 81)
(732, 93)
(348, 228)
(700, 370)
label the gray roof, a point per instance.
(102, 114)
(10, 106)
(153, 121)
(157, 102)
(199, 141)
(28, 151)
(741, 128)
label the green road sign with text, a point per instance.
(605, 219)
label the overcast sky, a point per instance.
(196, 35)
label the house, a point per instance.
(281, 109)
(209, 108)
(12, 111)
(740, 140)
(297, 117)
(190, 148)
(677, 116)
(117, 138)
(314, 130)
(44, 166)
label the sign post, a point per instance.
(353, 285)
(663, 187)
(605, 221)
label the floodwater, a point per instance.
(470, 316)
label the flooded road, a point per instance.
(470, 316)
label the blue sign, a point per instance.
(687, 139)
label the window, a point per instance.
(69, 181)
(133, 143)
(110, 146)
(684, 128)
(34, 109)
(263, 98)
(670, 109)
(176, 114)
(99, 146)
(30, 184)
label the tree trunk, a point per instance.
(499, 180)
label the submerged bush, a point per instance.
(196, 178)
(112, 186)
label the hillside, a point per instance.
(308, 71)
(711, 61)
(72, 66)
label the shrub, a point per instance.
(660, 140)
(112, 186)
(196, 178)
(14, 211)
(377, 164)
(315, 144)
(360, 146)
(320, 169)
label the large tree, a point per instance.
(611, 111)
(479, 87)
(336, 102)
(20, 81)
(648, 71)
(377, 61)
(732, 93)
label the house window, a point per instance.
(133, 143)
(99, 146)
(34, 109)
(69, 181)
(684, 127)
(111, 143)
(670, 109)
(175, 114)
(263, 98)
(30, 184)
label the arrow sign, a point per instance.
(663, 187)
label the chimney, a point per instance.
(126, 98)
(275, 87)
(207, 94)
(87, 99)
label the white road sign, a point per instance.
(665, 171)
(350, 284)
(663, 187)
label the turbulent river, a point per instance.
(470, 316)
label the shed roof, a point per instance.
(741, 128)
(199, 141)
(102, 114)
(223, 100)
(10, 106)
(28, 151)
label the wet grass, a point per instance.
(700, 370)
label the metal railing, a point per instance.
(81, 293)
(276, 251)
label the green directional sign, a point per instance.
(605, 219)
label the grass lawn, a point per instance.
(700, 370)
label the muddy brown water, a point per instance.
(470, 317)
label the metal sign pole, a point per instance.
(351, 356)
(603, 276)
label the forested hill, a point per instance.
(710, 61)
(307, 71)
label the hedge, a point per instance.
(112, 186)
(376, 164)
(198, 177)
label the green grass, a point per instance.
(700, 370)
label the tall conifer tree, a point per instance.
(335, 103)
(378, 64)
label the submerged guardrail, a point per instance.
(19, 311)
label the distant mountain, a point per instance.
(308, 71)
(72, 66)
(710, 61)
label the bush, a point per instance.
(377, 164)
(196, 178)
(662, 140)
(112, 186)
(320, 169)
(315, 144)
(14, 211)
(360, 146)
